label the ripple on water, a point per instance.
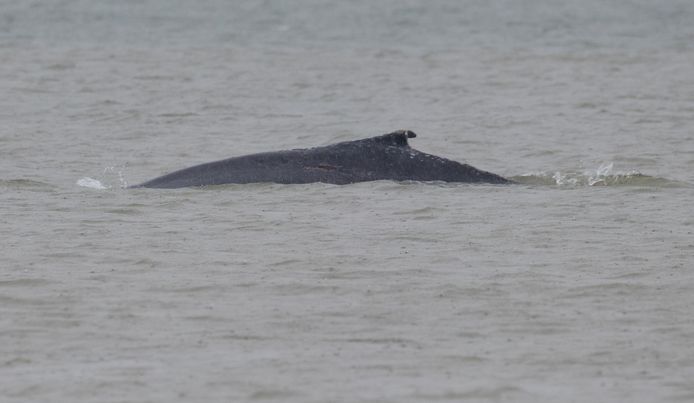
(24, 184)
(574, 180)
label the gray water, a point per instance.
(575, 285)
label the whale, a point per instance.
(385, 157)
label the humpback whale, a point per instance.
(385, 157)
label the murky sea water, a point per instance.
(574, 285)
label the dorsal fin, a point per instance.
(396, 138)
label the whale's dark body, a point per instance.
(386, 157)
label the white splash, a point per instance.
(600, 177)
(564, 179)
(118, 170)
(91, 183)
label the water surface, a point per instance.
(574, 285)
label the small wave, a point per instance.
(604, 175)
(23, 184)
(91, 183)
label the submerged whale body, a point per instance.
(386, 157)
